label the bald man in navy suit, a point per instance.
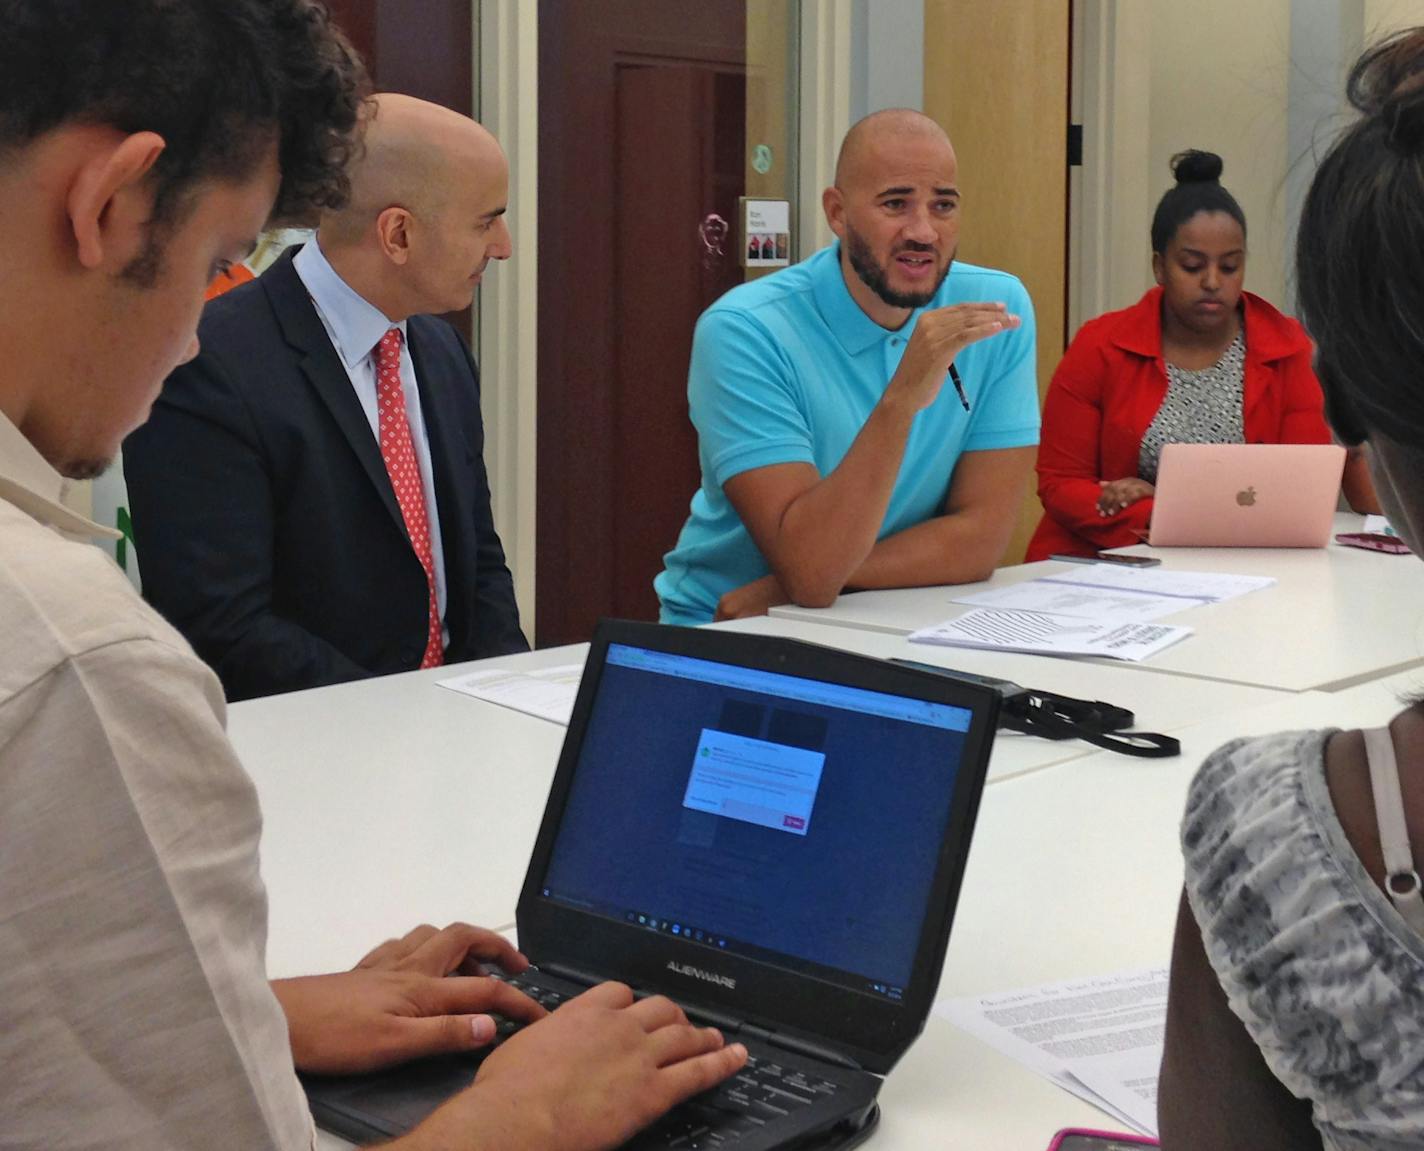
(309, 499)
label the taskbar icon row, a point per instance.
(674, 927)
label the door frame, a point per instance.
(506, 65)
(506, 49)
(1109, 201)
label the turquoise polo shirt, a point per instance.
(786, 369)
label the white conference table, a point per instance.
(1074, 872)
(427, 801)
(391, 802)
(1161, 703)
(1337, 616)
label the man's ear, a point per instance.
(833, 204)
(393, 233)
(108, 205)
(1159, 269)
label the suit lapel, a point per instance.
(303, 331)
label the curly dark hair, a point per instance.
(219, 80)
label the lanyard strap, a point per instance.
(1401, 881)
(1053, 716)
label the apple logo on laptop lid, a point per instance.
(1247, 497)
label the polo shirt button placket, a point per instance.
(894, 353)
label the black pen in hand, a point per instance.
(958, 386)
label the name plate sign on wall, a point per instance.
(766, 233)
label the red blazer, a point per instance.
(1105, 393)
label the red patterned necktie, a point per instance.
(399, 454)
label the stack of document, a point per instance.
(1042, 633)
(1098, 610)
(1100, 1039)
(548, 692)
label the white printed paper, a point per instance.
(1127, 1081)
(1102, 604)
(1378, 525)
(1042, 634)
(548, 693)
(1100, 1038)
(1209, 587)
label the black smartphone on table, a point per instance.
(1111, 558)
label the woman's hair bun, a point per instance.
(1194, 167)
(1387, 84)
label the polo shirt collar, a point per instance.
(854, 330)
(356, 325)
(29, 482)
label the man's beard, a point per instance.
(876, 278)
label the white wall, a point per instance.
(1385, 16)
(888, 56)
(1260, 82)
(1219, 73)
(1155, 77)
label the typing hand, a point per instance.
(588, 1077)
(755, 598)
(398, 1004)
(459, 948)
(1119, 494)
(363, 1020)
(939, 336)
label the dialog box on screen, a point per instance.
(754, 780)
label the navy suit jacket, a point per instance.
(266, 527)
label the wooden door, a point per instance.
(422, 48)
(642, 137)
(663, 277)
(996, 79)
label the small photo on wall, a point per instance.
(766, 224)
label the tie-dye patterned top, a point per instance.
(1316, 962)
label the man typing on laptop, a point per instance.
(143, 145)
(771, 833)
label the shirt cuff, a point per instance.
(989, 441)
(764, 453)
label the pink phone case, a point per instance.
(1373, 542)
(1121, 1137)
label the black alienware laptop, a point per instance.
(769, 832)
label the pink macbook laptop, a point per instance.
(1246, 495)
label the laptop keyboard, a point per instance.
(764, 1091)
(545, 997)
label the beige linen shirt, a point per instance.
(134, 1005)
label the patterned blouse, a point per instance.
(1200, 407)
(1315, 961)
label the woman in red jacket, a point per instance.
(1196, 360)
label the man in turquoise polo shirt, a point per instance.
(867, 418)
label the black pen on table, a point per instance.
(958, 385)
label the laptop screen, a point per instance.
(786, 819)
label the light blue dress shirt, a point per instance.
(788, 368)
(355, 327)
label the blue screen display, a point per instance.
(761, 813)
